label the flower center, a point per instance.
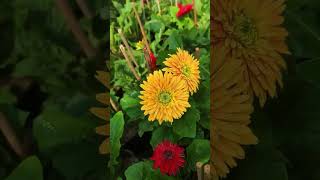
(165, 97)
(167, 154)
(186, 71)
(245, 30)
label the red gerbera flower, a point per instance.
(183, 9)
(168, 157)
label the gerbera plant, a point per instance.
(166, 109)
(252, 33)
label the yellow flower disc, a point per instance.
(185, 66)
(164, 97)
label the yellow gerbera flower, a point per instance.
(252, 32)
(164, 97)
(230, 115)
(185, 66)
(103, 112)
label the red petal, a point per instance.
(184, 9)
(168, 166)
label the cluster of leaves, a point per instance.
(288, 127)
(166, 33)
(37, 47)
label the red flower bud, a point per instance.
(153, 62)
(183, 9)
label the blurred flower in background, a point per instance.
(103, 112)
(230, 115)
(252, 33)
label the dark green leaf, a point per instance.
(145, 126)
(144, 171)
(198, 151)
(54, 127)
(116, 127)
(30, 168)
(162, 133)
(131, 106)
(186, 125)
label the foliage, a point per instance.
(43, 72)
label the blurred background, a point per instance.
(288, 127)
(50, 52)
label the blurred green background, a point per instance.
(47, 85)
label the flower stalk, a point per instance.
(199, 166)
(129, 63)
(206, 172)
(159, 8)
(125, 42)
(197, 53)
(145, 40)
(195, 13)
(113, 104)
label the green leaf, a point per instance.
(309, 70)
(173, 11)
(72, 160)
(262, 164)
(145, 126)
(202, 98)
(174, 40)
(162, 133)
(186, 125)
(302, 24)
(198, 6)
(54, 127)
(6, 97)
(144, 171)
(198, 151)
(122, 75)
(116, 127)
(154, 25)
(131, 105)
(26, 67)
(135, 171)
(30, 168)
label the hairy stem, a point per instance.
(129, 63)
